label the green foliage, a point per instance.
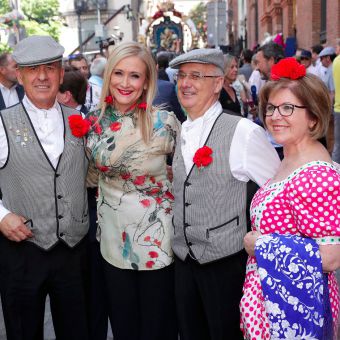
(199, 16)
(42, 17)
(4, 7)
(4, 48)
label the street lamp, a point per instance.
(80, 6)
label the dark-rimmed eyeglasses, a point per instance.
(193, 76)
(285, 109)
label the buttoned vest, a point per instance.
(210, 204)
(54, 199)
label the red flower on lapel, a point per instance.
(79, 126)
(203, 157)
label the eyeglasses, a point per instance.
(193, 76)
(285, 109)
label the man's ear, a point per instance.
(19, 77)
(219, 84)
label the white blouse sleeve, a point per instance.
(252, 157)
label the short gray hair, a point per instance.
(98, 66)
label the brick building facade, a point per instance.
(310, 22)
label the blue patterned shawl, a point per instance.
(294, 287)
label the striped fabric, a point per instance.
(210, 204)
(55, 199)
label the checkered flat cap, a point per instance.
(37, 50)
(200, 56)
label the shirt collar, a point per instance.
(212, 112)
(29, 104)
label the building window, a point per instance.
(323, 24)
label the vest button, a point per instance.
(61, 234)
(187, 184)
(57, 175)
(187, 204)
(186, 225)
(59, 197)
(189, 244)
(60, 217)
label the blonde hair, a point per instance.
(311, 92)
(228, 58)
(120, 52)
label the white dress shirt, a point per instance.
(251, 156)
(49, 126)
(10, 96)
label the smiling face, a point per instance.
(291, 130)
(41, 83)
(127, 82)
(197, 96)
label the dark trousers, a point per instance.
(208, 297)
(28, 274)
(98, 314)
(141, 303)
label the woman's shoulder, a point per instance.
(166, 117)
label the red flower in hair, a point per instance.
(78, 125)
(109, 100)
(203, 157)
(287, 68)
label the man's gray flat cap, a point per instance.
(200, 56)
(37, 50)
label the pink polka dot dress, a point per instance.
(306, 203)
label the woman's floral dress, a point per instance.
(307, 203)
(134, 199)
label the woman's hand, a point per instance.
(249, 242)
(330, 256)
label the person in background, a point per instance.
(162, 65)
(10, 91)
(72, 91)
(97, 72)
(228, 97)
(336, 77)
(128, 144)
(246, 69)
(316, 62)
(295, 217)
(43, 212)
(80, 62)
(327, 55)
(267, 56)
(217, 155)
(306, 60)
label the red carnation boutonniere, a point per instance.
(203, 157)
(109, 100)
(79, 126)
(287, 68)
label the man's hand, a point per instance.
(13, 227)
(249, 242)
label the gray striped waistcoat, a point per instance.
(55, 199)
(210, 204)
